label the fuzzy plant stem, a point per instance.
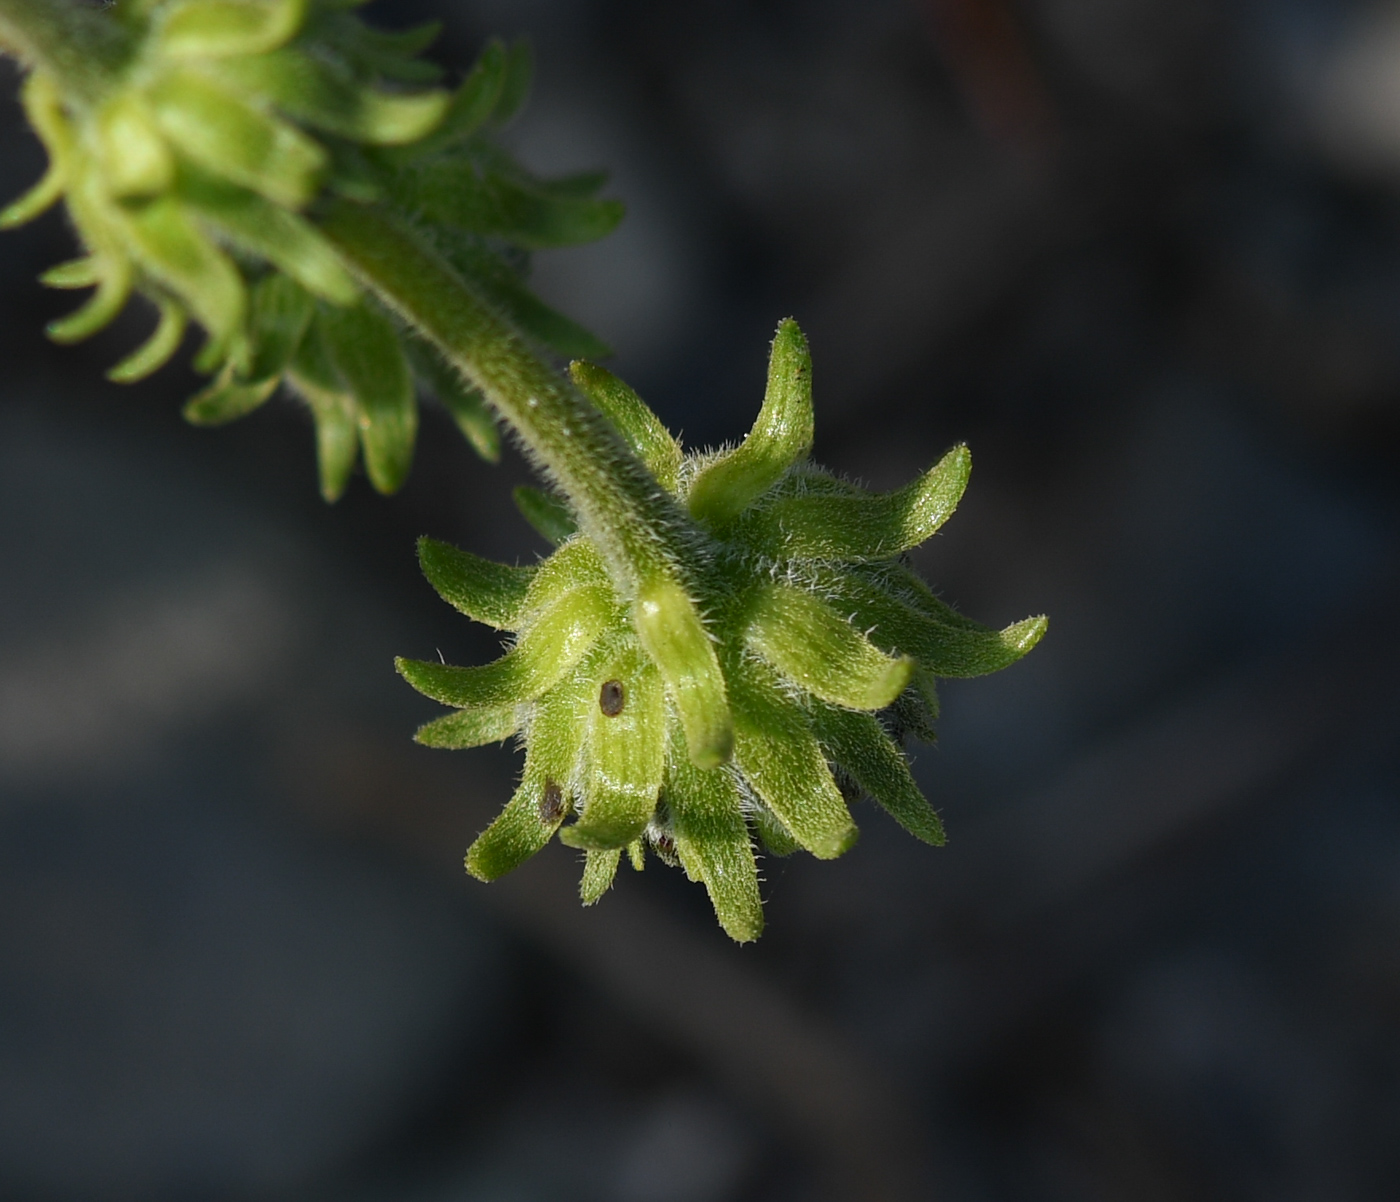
(644, 538)
(79, 44)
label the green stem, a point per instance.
(637, 527)
(80, 45)
(651, 547)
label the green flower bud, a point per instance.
(751, 704)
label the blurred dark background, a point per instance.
(1144, 257)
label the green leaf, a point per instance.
(515, 87)
(136, 161)
(557, 640)
(599, 871)
(549, 516)
(781, 759)
(544, 798)
(780, 437)
(777, 840)
(392, 55)
(677, 642)
(451, 191)
(473, 103)
(624, 755)
(575, 564)
(222, 28)
(712, 840)
(226, 400)
(314, 377)
(364, 346)
(861, 527)
(102, 307)
(527, 823)
(942, 640)
(76, 273)
(486, 591)
(173, 250)
(157, 350)
(859, 745)
(223, 134)
(467, 406)
(814, 646)
(470, 728)
(36, 202)
(279, 313)
(313, 91)
(640, 428)
(271, 232)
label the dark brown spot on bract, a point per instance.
(612, 697)
(551, 803)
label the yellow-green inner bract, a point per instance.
(828, 643)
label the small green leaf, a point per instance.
(624, 755)
(36, 202)
(861, 527)
(470, 728)
(279, 313)
(314, 377)
(473, 103)
(311, 90)
(780, 437)
(101, 309)
(813, 645)
(364, 346)
(223, 134)
(157, 351)
(76, 273)
(486, 591)
(777, 840)
(515, 87)
(476, 421)
(859, 744)
(712, 840)
(173, 250)
(640, 428)
(942, 640)
(575, 564)
(271, 232)
(467, 406)
(527, 823)
(378, 52)
(223, 28)
(450, 190)
(549, 516)
(557, 640)
(544, 798)
(135, 158)
(780, 757)
(226, 400)
(599, 872)
(679, 645)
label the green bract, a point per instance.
(814, 653)
(194, 146)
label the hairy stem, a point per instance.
(73, 41)
(637, 527)
(651, 548)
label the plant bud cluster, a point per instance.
(828, 644)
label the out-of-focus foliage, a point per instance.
(191, 160)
